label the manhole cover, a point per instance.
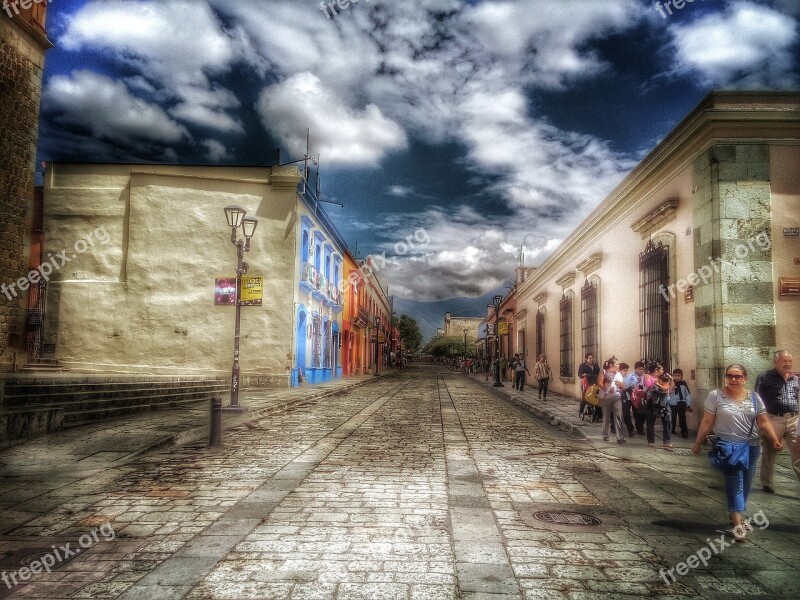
(562, 517)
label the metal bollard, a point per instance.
(215, 431)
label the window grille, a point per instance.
(539, 333)
(565, 309)
(589, 319)
(653, 305)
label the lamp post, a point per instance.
(465, 343)
(496, 301)
(237, 218)
(377, 324)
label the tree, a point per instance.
(410, 333)
(452, 345)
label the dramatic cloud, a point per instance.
(746, 46)
(107, 110)
(342, 135)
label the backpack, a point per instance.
(637, 396)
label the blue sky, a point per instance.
(490, 124)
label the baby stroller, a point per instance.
(592, 409)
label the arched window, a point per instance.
(540, 332)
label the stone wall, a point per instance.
(735, 313)
(21, 63)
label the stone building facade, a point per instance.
(455, 326)
(23, 42)
(691, 259)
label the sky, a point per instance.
(454, 132)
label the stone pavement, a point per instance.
(420, 485)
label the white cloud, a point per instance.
(747, 45)
(341, 135)
(401, 191)
(108, 110)
(215, 151)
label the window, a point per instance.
(565, 309)
(540, 332)
(589, 318)
(316, 342)
(653, 305)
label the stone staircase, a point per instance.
(34, 405)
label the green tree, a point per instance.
(409, 331)
(452, 345)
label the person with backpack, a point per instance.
(656, 406)
(651, 373)
(626, 400)
(611, 384)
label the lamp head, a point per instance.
(249, 225)
(497, 300)
(235, 214)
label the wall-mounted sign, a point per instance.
(225, 291)
(789, 286)
(791, 232)
(688, 295)
(252, 290)
(490, 329)
(503, 328)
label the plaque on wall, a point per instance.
(789, 286)
(791, 232)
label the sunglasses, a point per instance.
(736, 377)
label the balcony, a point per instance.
(308, 278)
(334, 299)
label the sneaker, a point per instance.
(668, 446)
(769, 489)
(622, 441)
(651, 445)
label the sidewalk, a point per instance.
(78, 458)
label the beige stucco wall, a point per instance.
(145, 300)
(785, 183)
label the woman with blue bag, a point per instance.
(732, 413)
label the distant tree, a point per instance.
(452, 345)
(410, 332)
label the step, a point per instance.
(38, 394)
(75, 419)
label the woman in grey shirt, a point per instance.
(730, 413)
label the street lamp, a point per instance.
(377, 324)
(237, 217)
(497, 301)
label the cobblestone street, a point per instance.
(420, 485)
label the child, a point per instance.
(626, 399)
(680, 399)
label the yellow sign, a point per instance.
(503, 328)
(252, 290)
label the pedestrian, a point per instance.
(520, 369)
(611, 384)
(587, 373)
(487, 367)
(680, 401)
(650, 375)
(626, 400)
(655, 406)
(632, 382)
(541, 371)
(779, 389)
(731, 414)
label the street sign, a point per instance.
(503, 328)
(490, 329)
(252, 290)
(381, 339)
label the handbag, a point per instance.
(733, 456)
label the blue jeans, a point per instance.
(737, 483)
